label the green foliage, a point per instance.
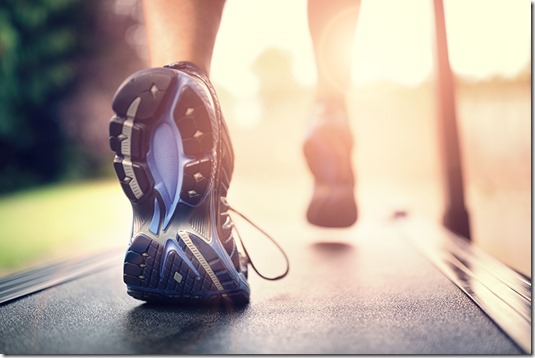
(40, 41)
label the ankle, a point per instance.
(334, 99)
(330, 107)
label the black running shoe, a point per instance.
(327, 150)
(174, 160)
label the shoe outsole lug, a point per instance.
(143, 84)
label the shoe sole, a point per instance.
(163, 138)
(333, 200)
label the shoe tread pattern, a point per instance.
(176, 281)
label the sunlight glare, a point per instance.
(488, 38)
(394, 40)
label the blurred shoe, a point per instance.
(174, 160)
(327, 150)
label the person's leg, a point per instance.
(329, 142)
(332, 27)
(183, 30)
(174, 161)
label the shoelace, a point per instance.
(267, 236)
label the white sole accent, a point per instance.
(127, 133)
(133, 184)
(126, 148)
(201, 260)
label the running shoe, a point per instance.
(174, 161)
(327, 150)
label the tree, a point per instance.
(40, 42)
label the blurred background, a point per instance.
(62, 60)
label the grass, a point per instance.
(61, 221)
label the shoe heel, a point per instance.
(177, 272)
